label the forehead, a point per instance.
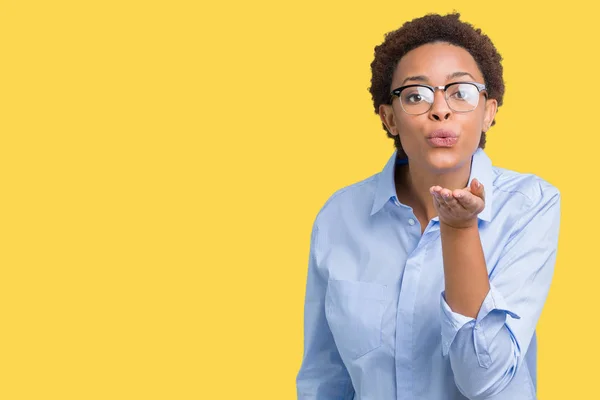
(436, 61)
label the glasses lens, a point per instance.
(416, 99)
(462, 97)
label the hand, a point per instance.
(459, 208)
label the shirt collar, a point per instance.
(481, 168)
(386, 186)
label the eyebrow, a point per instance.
(423, 78)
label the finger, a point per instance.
(437, 198)
(449, 198)
(434, 190)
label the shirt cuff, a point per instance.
(490, 319)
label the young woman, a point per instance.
(426, 280)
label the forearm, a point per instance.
(467, 288)
(465, 271)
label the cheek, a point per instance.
(472, 124)
(410, 131)
(410, 126)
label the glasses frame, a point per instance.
(396, 93)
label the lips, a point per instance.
(442, 138)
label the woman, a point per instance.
(426, 281)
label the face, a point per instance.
(437, 64)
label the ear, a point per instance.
(491, 106)
(386, 113)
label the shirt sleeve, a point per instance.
(486, 352)
(322, 375)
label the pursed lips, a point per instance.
(442, 138)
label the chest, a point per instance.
(384, 285)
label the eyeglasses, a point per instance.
(418, 99)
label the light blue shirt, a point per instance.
(376, 323)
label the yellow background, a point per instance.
(162, 163)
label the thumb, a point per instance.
(477, 188)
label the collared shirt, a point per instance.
(376, 323)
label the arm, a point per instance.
(322, 375)
(486, 348)
(465, 272)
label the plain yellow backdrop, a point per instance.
(162, 163)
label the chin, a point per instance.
(446, 159)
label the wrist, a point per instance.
(462, 226)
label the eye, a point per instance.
(459, 94)
(416, 95)
(462, 92)
(414, 98)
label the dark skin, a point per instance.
(434, 181)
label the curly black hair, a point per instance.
(428, 29)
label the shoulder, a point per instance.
(523, 193)
(529, 186)
(350, 201)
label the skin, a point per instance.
(434, 181)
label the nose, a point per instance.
(439, 109)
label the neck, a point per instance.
(414, 181)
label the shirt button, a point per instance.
(411, 222)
